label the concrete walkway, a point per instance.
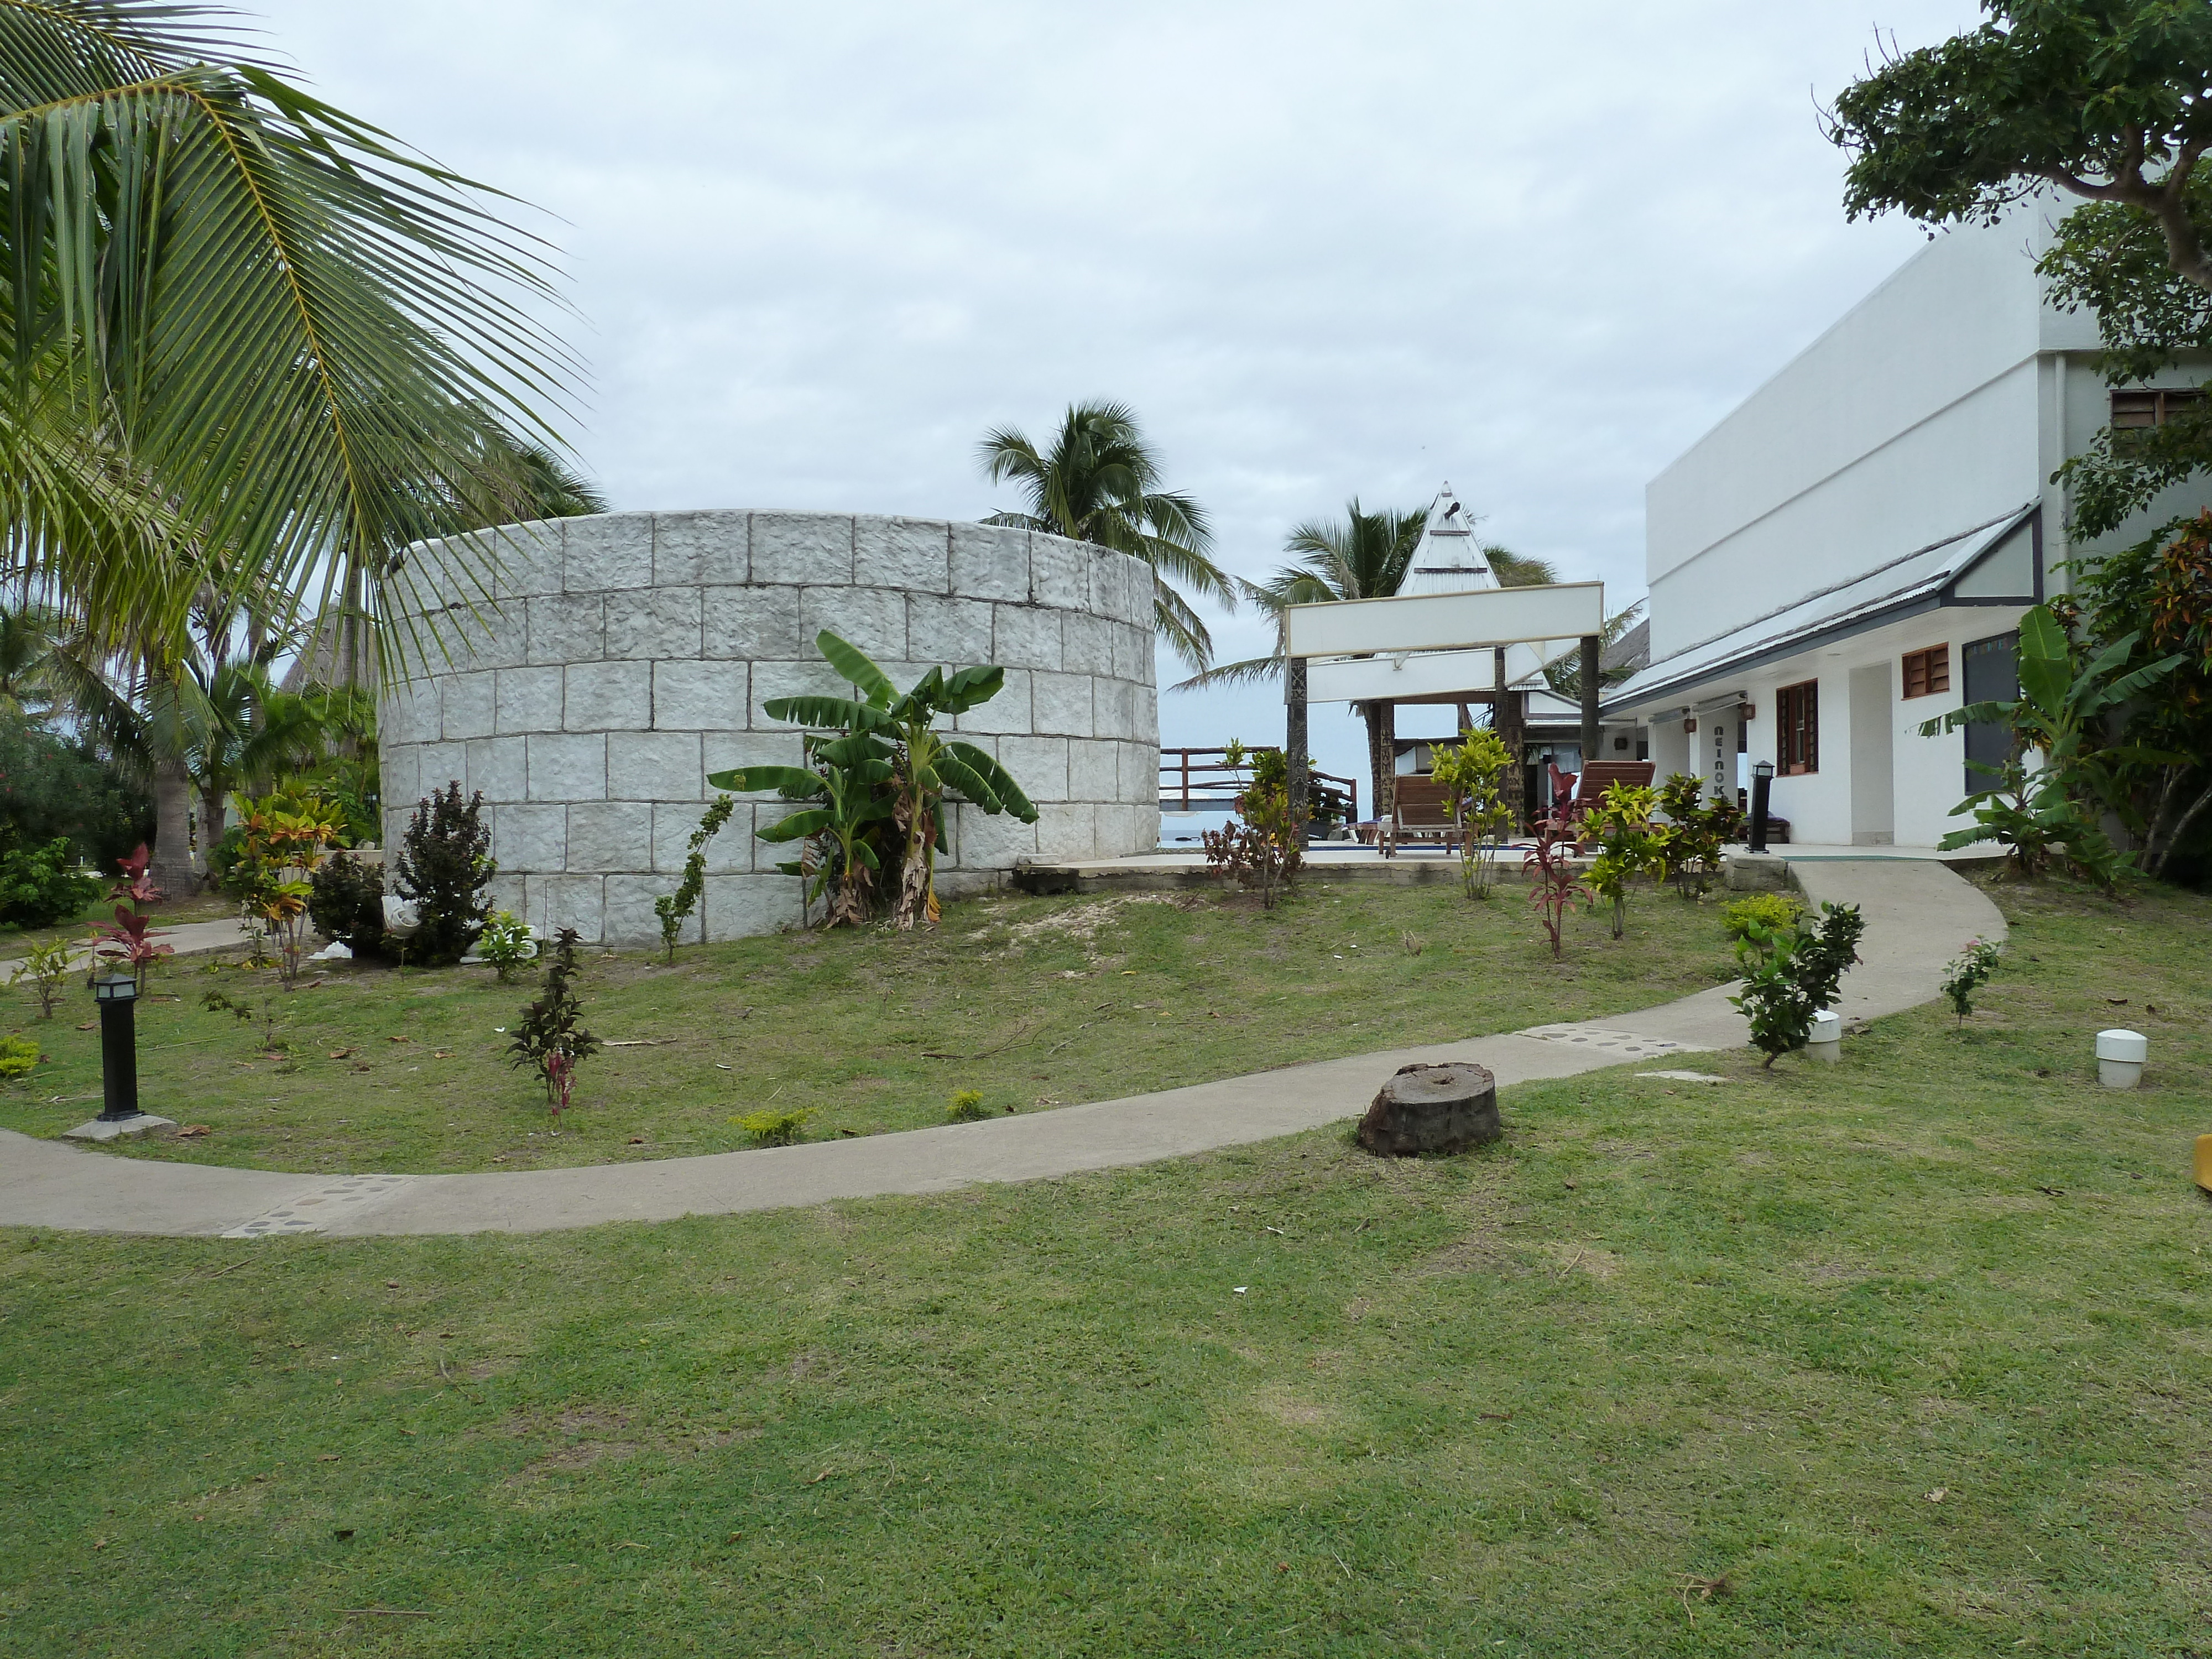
(1919, 915)
(184, 938)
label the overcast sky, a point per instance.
(1323, 250)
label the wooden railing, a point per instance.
(1201, 780)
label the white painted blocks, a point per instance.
(802, 547)
(1060, 573)
(872, 618)
(631, 654)
(605, 836)
(912, 555)
(699, 696)
(567, 766)
(757, 624)
(1060, 704)
(528, 699)
(530, 840)
(654, 766)
(653, 622)
(990, 563)
(604, 696)
(566, 628)
(1026, 636)
(949, 633)
(609, 551)
(701, 549)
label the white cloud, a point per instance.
(1323, 250)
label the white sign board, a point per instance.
(1445, 622)
(1399, 678)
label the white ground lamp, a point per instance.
(2120, 1056)
(1826, 1041)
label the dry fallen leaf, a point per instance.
(194, 1129)
(441, 1053)
(328, 1457)
(342, 1054)
(1939, 1494)
(399, 1039)
(87, 1025)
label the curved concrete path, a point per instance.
(1919, 915)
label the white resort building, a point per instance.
(1849, 553)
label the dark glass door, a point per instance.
(1991, 672)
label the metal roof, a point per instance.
(1919, 581)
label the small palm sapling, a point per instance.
(549, 1038)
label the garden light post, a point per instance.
(118, 996)
(1762, 786)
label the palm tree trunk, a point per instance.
(172, 863)
(213, 820)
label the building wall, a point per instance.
(615, 661)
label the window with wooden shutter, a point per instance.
(1797, 728)
(1927, 672)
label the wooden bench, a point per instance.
(1598, 777)
(1419, 812)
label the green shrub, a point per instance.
(1772, 911)
(345, 903)
(549, 1037)
(506, 943)
(771, 1127)
(967, 1106)
(40, 886)
(51, 787)
(18, 1054)
(444, 866)
(46, 966)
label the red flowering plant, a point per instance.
(128, 942)
(1555, 886)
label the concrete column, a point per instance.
(1296, 744)
(1589, 675)
(1509, 718)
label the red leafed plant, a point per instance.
(128, 942)
(1555, 887)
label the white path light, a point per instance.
(2120, 1055)
(1827, 1042)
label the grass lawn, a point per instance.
(1908, 1354)
(1032, 1001)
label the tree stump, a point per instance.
(1432, 1108)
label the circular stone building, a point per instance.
(624, 657)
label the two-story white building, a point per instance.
(1849, 553)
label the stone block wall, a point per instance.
(589, 673)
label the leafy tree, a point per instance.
(850, 778)
(1471, 775)
(1099, 482)
(2109, 101)
(54, 786)
(2157, 596)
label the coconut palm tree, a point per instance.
(247, 342)
(1099, 482)
(1363, 555)
(244, 332)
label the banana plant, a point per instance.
(849, 781)
(925, 762)
(2066, 700)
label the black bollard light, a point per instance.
(118, 996)
(1762, 786)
